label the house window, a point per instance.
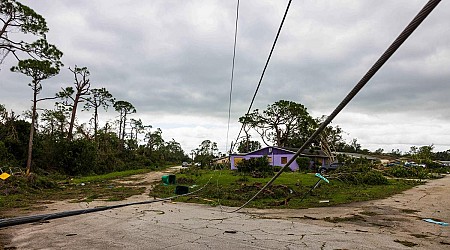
(269, 159)
(237, 160)
(283, 160)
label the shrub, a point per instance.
(303, 163)
(258, 167)
(366, 178)
(408, 172)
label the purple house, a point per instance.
(277, 156)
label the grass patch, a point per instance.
(420, 236)
(233, 189)
(344, 219)
(368, 213)
(409, 211)
(406, 243)
(24, 193)
(109, 176)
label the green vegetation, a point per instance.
(21, 192)
(109, 176)
(232, 189)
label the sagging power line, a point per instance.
(417, 20)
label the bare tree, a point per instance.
(82, 85)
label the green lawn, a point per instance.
(227, 188)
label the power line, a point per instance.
(418, 19)
(232, 71)
(265, 67)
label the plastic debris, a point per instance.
(4, 176)
(436, 222)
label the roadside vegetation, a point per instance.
(232, 188)
(359, 180)
(34, 191)
(51, 155)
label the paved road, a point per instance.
(190, 226)
(186, 226)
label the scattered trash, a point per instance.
(230, 231)
(436, 222)
(71, 234)
(82, 184)
(324, 201)
(168, 179)
(4, 176)
(193, 186)
(154, 210)
(179, 190)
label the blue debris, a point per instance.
(436, 222)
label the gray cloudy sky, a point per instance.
(172, 61)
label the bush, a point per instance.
(258, 167)
(303, 163)
(364, 178)
(408, 172)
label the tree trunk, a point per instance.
(72, 118)
(95, 121)
(30, 141)
(123, 129)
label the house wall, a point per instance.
(275, 159)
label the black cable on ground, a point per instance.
(42, 217)
(264, 70)
(418, 19)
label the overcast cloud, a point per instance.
(172, 61)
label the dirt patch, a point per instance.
(400, 214)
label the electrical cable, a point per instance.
(418, 19)
(232, 71)
(264, 70)
(231, 90)
(36, 218)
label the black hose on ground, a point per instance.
(43, 217)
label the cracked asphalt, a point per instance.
(392, 223)
(188, 226)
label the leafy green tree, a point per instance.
(245, 146)
(15, 17)
(98, 98)
(55, 122)
(174, 151)
(423, 154)
(284, 123)
(206, 151)
(38, 71)
(73, 96)
(155, 142)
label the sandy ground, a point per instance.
(392, 223)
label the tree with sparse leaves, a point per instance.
(38, 71)
(124, 108)
(14, 17)
(98, 98)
